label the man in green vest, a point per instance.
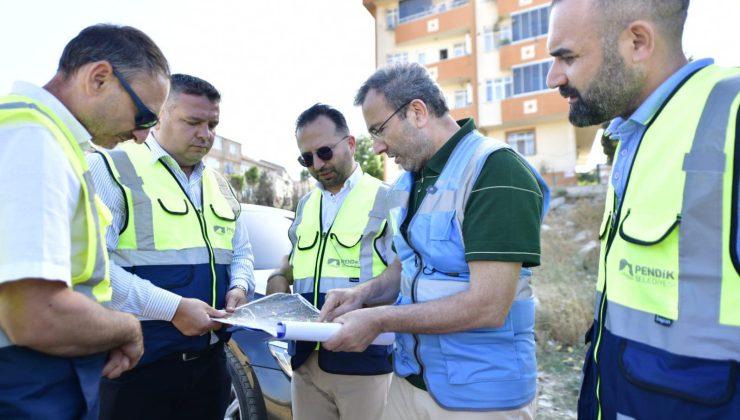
(55, 330)
(665, 343)
(340, 239)
(180, 255)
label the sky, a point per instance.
(271, 59)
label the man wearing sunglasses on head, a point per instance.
(56, 335)
(340, 239)
(180, 254)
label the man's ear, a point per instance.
(421, 113)
(96, 77)
(640, 38)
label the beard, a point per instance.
(613, 92)
(414, 153)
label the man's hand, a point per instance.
(193, 317)
(339, 302)
(235, 298)
(127, 355)
(359, 329)
(277, 284)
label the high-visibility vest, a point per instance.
(68, 385)
(169, 241)
(669, 277)
(340, 256)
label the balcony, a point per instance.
(523, 52)
(507, 7)
(464, 112)
(453, 70)
(531, 108)
(455, 17)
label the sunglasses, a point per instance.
(144, 118)
(324, 153)
(377, 133)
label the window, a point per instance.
(461, 99)
(458, 50)
(530, 24)
(397, 58)
(391, 18)
(503, 35)
(522, 142)
(531, 78)
(217, 143)
(488, 44)
(443, 54)
(421, 58)
(233, 149)
(498, 89)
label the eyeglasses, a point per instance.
(144, 118)
(324, 153)
(377, 133)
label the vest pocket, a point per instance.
(178, 207)
(702, 381)
(482, 355)
(223, 213)
(346, 240)
(647, 229)
(304, 243)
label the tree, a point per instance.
(265, 194)
(305, 175)
(251, 177)
(369, 162)
(237, 182)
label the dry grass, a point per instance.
(564, 283)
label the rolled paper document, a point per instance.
(321, 331)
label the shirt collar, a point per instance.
(81, 135)
(348, 184)
(619, 127)
(158, 153)
(439, 159)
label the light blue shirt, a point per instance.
(630, 131)
(139, 296)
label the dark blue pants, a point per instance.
(644, 382)
(34, 385)
(170, 388)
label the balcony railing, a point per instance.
(434, 9)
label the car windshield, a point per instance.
(268, 234)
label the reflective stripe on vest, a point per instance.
(671, 282)
(90, 278)
(163, 227)
(345, 254)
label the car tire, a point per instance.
(251, 404)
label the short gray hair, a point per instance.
(402, 83)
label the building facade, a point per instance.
(490, 59)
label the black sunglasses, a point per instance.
(324, 153)
(144, 118)
(377, 133)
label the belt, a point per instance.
(189, 356)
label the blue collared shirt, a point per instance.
(630, 131)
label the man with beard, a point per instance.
(340, 239)
(179, 253)
(55, 332)
(466, 221)
(665, 342)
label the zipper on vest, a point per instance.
(319, 258)
(413, 299)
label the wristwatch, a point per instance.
(240, 287)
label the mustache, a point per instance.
(567, 91)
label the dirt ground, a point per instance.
(564, 289)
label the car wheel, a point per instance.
(245, 402)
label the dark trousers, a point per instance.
(170, 388)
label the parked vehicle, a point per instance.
(260, 369)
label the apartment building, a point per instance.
(490, 59)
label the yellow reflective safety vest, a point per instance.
(169, 241)
(67, 385)
(668, 291)
(342, 255)
(90, 277)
